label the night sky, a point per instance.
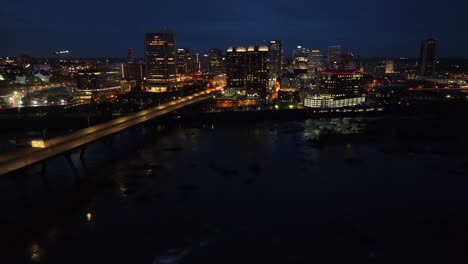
(372, 28)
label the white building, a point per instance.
(328, 102)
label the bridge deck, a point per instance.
(56, 146)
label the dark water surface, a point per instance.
(384, 192)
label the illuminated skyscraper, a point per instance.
(341, 84)
(215, 61)
(182, 60)
(314, 63)
(427, 58)
(275, 56)
(235, 68)
(389, 67)
(160, 56)
(256, 71)
(334, 56)
(300, 58)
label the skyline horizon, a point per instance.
(288, 50)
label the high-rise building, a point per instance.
(428, 57)
(133, 71)
(193, 63)
(334, 56)
(341, 84)
(130, 57)
(160, 56)
(215, 57)
(204, 63)
(300, 58)
(314, 63)
(256, 71)
(235, 68)
(389, 67)
(275, 56)
(182, 60)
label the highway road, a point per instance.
(56, 146)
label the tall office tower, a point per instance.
(275, 56)
(389, 67)
(215, 57)
(334, 56)
(428, 57)
(256, 73)
(314, 63)
(130, 58)
(182, 60)
(160, 56)
(235, 68)
(193, 65)
(205, 63)
(300, 58)
(341, 83)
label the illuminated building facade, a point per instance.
(275, 56)
(342, 84)
(289, 95)
(300, 58)
(314, 63)
(100, 84)
(389, 67)
(327, 102)
(427, 58)
(235, 67)
(160, 56)
(256, 71)
(182, 60)
(215, 61)
(204, 63)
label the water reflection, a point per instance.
(123, 190)
(89, 216)
(35, 252)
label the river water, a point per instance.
(372, 191)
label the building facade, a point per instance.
(300, 58)
(215, 61)
(235, 67)
(427, 59)
(341, 84)
(160, 57)
(315, 63)
(275, 56)
(256, 71)
(182, 61)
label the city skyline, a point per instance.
(368, 28)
